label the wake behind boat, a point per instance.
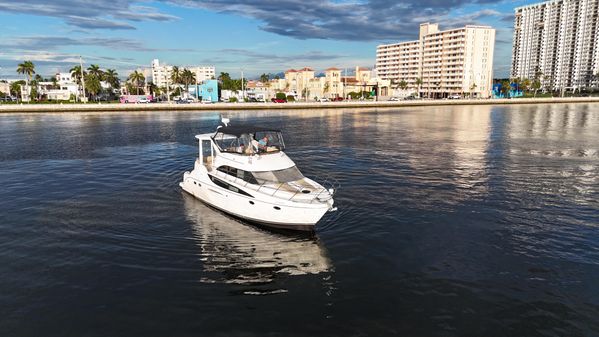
(242, 170)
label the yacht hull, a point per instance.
(279, 214)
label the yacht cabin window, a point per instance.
(237, 173)
(279, 176)
(248, 140)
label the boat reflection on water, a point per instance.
(235, 252)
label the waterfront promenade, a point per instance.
(34, 108)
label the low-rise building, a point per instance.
(205, 91)
(304, 85)
(5, 88)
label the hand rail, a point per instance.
(328, 184)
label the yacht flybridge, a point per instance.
(242, 170)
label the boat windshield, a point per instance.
(279, 176)
(250, 143)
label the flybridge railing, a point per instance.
(329, 187)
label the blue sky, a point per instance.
(256, 36)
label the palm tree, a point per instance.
(153, 88)
(112, 78)
(188, 77)
(326, 88)
(95, 70)
(506, 87)
(525, 84)
(176, 75)
(26, 68)
(472, 88)
(225, 81)
(418, 84)
(92, 84)
(76, 73)
(264, 78)
(138, 79)
(403, 85)
(15, 88)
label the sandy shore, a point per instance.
(6, 108)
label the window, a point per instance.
(231, 188)
(241, 174)
(279, 176)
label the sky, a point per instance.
(256, 37)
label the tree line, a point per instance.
(92, 77)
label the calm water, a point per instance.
(452, 221)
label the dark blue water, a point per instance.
(452, 221)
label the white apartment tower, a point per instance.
(161, 73)
(558, 43)
(455, 61)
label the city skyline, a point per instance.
(261, 37)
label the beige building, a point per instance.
(333, 85)
(303, 84)
(455, 61)
(557, 42)
(203, 72)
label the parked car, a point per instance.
(394, 99)
(182, 101)
(454, 96)
(278, 100)
(410, 98)
(8, 99)
(323, 99)
(337, 99)
(143, 100)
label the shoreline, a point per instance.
(116, 107)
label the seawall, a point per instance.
(91, 107)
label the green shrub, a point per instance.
(281, 95)
(290, 98)
(233, 100)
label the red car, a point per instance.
(278, 100)
(337, 99)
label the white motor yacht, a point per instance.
(243, 171)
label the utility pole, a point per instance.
(344, 81)
(82, 79)
(168, 88)
(242, 87)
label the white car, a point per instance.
(454, 96)
(394, 99)
(323, 99)
(143, 100)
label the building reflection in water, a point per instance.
(438, 153)
(557, 144)
(234, 252)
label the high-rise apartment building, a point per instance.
(203, 73)
(558, 43)
(161, 73)
(454, 61)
